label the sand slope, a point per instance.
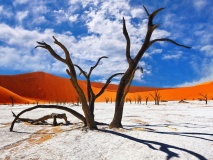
(6, 95)
(40, 86)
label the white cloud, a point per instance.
(20, 53)
(84, 3)
(36, 10)
(39, 20)
(20, 2)
(73, 18)
(204, 70)
(137, 12)
(21, 15)
(207, 78)
(6, 12)
(200, 4)
(172, 56)
(208, 49)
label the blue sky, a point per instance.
(93, 28)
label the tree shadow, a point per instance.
(185, 134)
(163, 146)
(187, 125)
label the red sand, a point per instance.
(6, 97)
(44, 87)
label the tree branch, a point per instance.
(152, 16)
(168, 40)
(146, 10)
(89, 88)
(67, 54)
(81, 71)
(125, 33)
(91, 69)
(52, 52)
(107, 83)
(150, 29)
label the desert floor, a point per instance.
(171, 130)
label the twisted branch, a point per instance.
(52, 52)
(107, 83)
(91, 69)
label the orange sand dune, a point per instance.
(44, 87)
(183, 93)
(6, 97)
(41, 86)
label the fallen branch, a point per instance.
(44, 118)
(76, 114)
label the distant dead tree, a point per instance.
(133, 62)
(78, 101)
(12, 100)
(107, 99)
(205, 98)
(129, 99)
(135, 99)
(147, 98)
(139, 99)
(156, 97)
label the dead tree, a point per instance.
(205, 98)
(139, 98)
(78, 101)
(135, 99)
(129, 100)
(87, 108)
(73, 112)
(133, 62)
(12, 100)
(147, 98)
(73, 78)
(156, 97)
(107, 99)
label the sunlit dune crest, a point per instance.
(44, 87)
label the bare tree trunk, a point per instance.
(147, 98)
(119, 102)
(12, 100)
